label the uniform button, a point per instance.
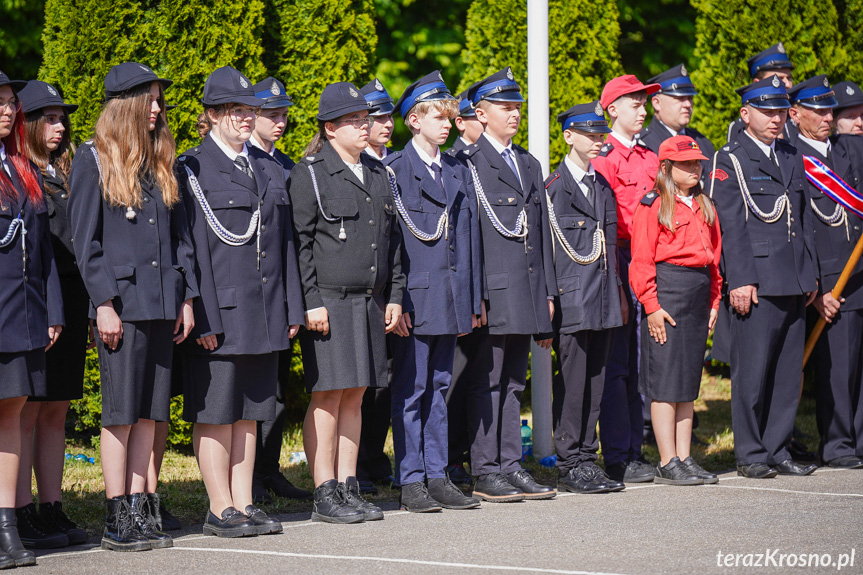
(26, 278)
(374, 246)
(371, 222)
(263, 228)
(450, 228)
(530, 269)
(559, 290)
(64, 196)
(793, 234)
(451, 248)
(152, 222)
(230, 202)
(530, 248)
(372, 268)
(368, 200)
(72, 240)
(264, 279)
(453, 268)
(155, 264)
(368, 291)
(146, 199)
(792, 220)
(856, 228)
(263, 254)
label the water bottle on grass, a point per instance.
(526, 440)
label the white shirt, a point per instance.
(260, 146)
(623, 139)
(821, 147)
(500, 148)
(670, 131)
(686, 200)
(50, 169)
(427, 160)
(357, 169)
(371, 151)
(232, 155)
(579, 174)
(3, 158)
(465, 142)
(761, 145)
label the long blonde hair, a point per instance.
(668, 188)
(128, 150)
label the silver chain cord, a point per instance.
(442, 223)
(783, 203)
(342, 234)
(599, 247)
(521, 228)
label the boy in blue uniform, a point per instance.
(440, 256)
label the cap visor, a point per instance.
(776, 104)
(679, 92)
(821, 104)
(383, 109)
(685, 156)
(591, 129)
(16, 85)
(649, 88)
(277, 102)
(509, 96)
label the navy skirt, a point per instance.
(671, 372)
(22, 374)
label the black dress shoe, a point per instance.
(10, 543)
(121, 533)
(260, 495)
(146, 524)
(351, 496)
(756, 471)
(281, 487)
(52, 515)
(698, 471)
(444, 491)
(613, 484)
(675, 473)
(846, 462)
(790, 467)
(634, 471)
(458, 475)
(265, 524)
(35, 533)
(582, 479)
(522, 479)
(416, 499)
(330, 507)
(231, 524)
(495, 488)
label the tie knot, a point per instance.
(242, 162)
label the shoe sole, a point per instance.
(499, 498)
(338, 520)
(566, 489)
(710, 480)
(232, 533)
(540, 496)
(796, 474)
(270, 530)
(373, 516)
(423, 510)
(845, 466)
(113, 546)
(769, 475)
(164, 544)
(23, 562)
(636, 479)
(10, 564)
(460, 507)
(679, 482)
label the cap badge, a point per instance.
(826, 83)
(274, 89)
(144, 68)
(598, 109)
(776, 81)
(51, 90)
(352, 92)
(378, 86)
(439, 77)
(683, 71)
(243, 82)
(509, 73)
(849, 90)
(674, 86)
(683, 146)
(781, 48)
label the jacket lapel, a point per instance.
(495, 160)
(577, 197)
(421, 173)
(757, 156)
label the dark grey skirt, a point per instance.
(22, 374)
(672, 372)
(136, 377)
(221, 390)
(354, 352)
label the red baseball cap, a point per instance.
(623, 85)
(680, 149)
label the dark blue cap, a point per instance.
(587, 117)
(227, 85)
(674, 82)
(847, 94)
(499, 87)
(273, 93)
(813, 93)
(378, 98)
(15, 84)
(123, 77)
(339, 99)
(37, 95)
(428, 88)
(465, 106)
(773, 58)
(768, 94)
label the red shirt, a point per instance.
(694, 244)
(631, 173)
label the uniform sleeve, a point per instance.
(305, 212)
(547, 239)
(395, 290)
(715, 275)
(85, 215)
(54, 295)
(185, 248)
(476, 265)
(642, 270)
(740, 268)
(293, 287)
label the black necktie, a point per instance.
(587, 180)
(436, 169)
(242, 163)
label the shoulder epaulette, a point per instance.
(606, 148)
(649, 198)
(468, 151)
(311, 159)
(552, 180)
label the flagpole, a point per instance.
(837, 293)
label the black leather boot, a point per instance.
(52, 514)
(163, 518)
(6, 561)
(34, 533)
(448, 495)
(120, 533)
(416, 499)
(10, 543)
(330, 507)
(139, 506)
(351, 495)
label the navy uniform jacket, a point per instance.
(758, 253)
(457, 147)
(653, 135)
(835, 244)
(30, 297)
(57, 202)
(368, 261)
(285, 160)
(588, 296)
(519, 275)
(443, 277)
(144, 264)
(249, 310)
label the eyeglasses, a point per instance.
(360, 122)
(244, 111)
(11, 104)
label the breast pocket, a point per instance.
(345, 210)
(569, 292)
(578, 231)
(226, 200)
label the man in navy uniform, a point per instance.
(758, 182)
(518, 290)
(469, 128)
(269, 128)
(590, 299)
(381, 107)
(839, 356)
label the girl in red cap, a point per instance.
(675, 275)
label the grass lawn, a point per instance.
(83, 490)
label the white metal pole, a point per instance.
(538, 143)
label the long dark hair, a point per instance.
(61, 158)
(16, 153)
(317, 143)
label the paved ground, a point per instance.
(644, 530)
